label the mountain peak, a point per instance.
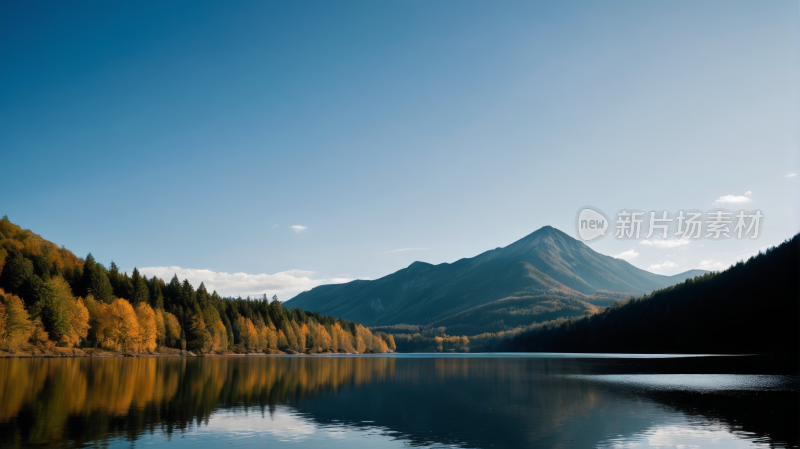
(544, 261)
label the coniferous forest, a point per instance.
(52, 302)
(750, 308)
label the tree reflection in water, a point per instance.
(460, 401)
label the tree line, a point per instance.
(53, 302)
(80, 401)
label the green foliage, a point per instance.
(54, 307)
(140, 291)
(95, 281)
(198, 337)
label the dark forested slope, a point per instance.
(752, 307)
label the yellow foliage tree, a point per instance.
(78, 323)
(173, 329)
(282, 343)
(249, 335)
(299, 338)
(220, 336)
(118, 326)
(17, 328)
(39, 337)
(161, 328)
(303, 335)
(148, 330)
(272, 337)
(361, 338)
(345, 342)
(321, 339)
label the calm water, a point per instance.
(469, 401)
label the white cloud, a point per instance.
(792, 175)
(748, 193)
(629, 254)
(661, 265)
(712, 265)
(405, 249)
(298, 228)
(285, 284)
(665, 243)
(732, 199)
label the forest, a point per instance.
(52, 302)
(750, 308)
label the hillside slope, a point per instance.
(751, 307)
(545, 262)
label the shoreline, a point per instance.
(184, 354)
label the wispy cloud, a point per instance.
(629, 254)
(791, 175)
(661, 265)
(732, 199)
(275, 226)
(405, 249)
(285, 284)
(748, 193)
(664, 243)
(298, 228)
(712, 265)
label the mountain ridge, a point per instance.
(544, 262)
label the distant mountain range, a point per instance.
(547, 271)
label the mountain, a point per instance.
(546, 262)
(752, 307)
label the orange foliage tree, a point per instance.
(148, 330)
(118, 326)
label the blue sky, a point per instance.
(196, 134)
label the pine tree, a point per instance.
(96, 281)
(158, 297)
(140, 291)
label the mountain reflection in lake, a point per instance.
(508, 401)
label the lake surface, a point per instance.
(464, 401)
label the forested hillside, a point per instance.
(54, 302)
(752, 307)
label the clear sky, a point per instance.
(195, 134)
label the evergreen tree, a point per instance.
(158, 297)
(173, 292)
(140, 290)
(99, 286)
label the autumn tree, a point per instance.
(78, 323)
(173, 330)
(161, 329)
(17, 326)
(148, 330)
(249, 334)
(118, 326)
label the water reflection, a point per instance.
(390, 401)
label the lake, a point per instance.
(426, 400)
